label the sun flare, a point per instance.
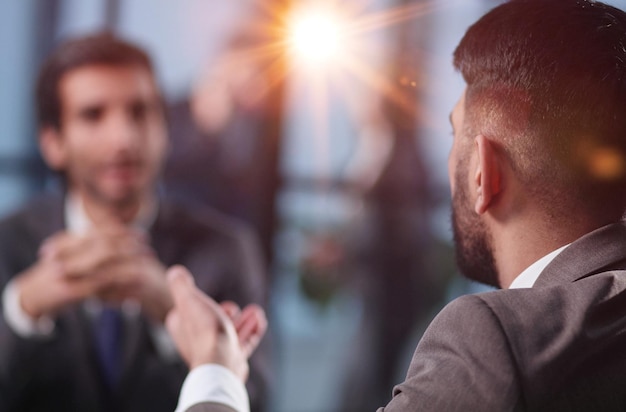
(339, 52)
(315, 36)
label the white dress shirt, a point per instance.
(216, 384)
(529, 276)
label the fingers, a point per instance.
(143, 278)
(109, 263)
(172, 323)
(44, 292)
(251, 327)
(137, 272)
(231, 309)
(200, 327)
(181, 283)
(250, 324)
(182, 325)
(192, 303)
(206, 332)
(82, 255)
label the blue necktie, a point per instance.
(108, 333)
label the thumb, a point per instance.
(191, 302)
(180, 282)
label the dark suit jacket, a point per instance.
(560, 346)
(62, 374)
(210, 407)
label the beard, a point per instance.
(472, 240)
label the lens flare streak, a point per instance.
(325, 44)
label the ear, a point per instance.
(52, 148)
(488, 178)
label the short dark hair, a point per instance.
(548, 79)
(101, 48)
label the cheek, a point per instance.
(79, 150)
(159, 145)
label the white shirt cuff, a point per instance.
(215, 384)
(20, 322)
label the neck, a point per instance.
(516, 247)
(102, 213)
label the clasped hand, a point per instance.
(112, 264)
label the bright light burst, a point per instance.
(329, 34)
(327, 44)
(315, 35)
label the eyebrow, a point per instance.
(90, 107)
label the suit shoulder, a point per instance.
(469, 304)
(519, 315)
(36, 215)
(476, 310)
(185, 230)
(465, 352)
(182, 216)
(210, 407)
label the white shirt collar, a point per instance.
(77, 221)
(528, 277)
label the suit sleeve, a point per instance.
(462, 363)
(213, 384)
(18, 355)
(210, 407)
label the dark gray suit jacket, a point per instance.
(210, 407)
(560, 346)
(62, 374)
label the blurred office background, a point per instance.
(334, 150)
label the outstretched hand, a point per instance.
(206, 332)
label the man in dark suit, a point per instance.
(538, 178)
(82, 272)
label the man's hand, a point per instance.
(73, 267)
(206, 332)
(141, 278)
(67, 269)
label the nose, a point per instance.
(125, 131)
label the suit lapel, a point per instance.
(133, 344)
(597, 251)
